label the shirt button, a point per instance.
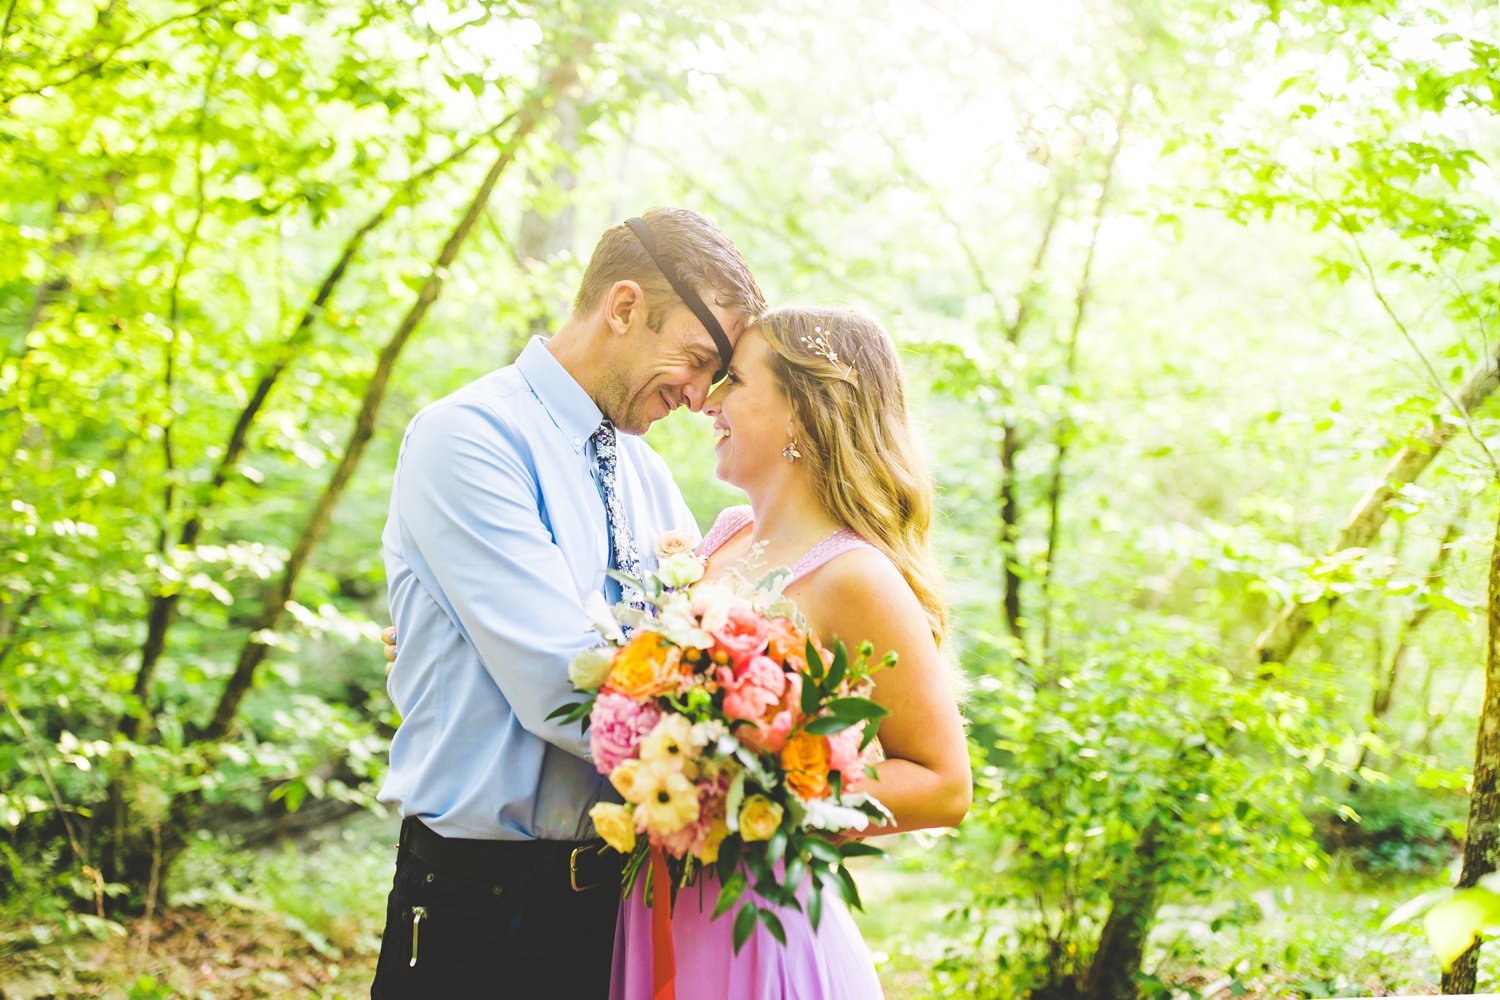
(578, 442)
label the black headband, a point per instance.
(686, 294)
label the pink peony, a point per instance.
(617, 724)
(753, 689)
(772, 729)
(844, 757)
(743, 635)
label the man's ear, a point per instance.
(624, 307)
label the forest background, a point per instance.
(1199, 305)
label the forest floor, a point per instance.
(304, 921)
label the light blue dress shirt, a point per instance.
(496, 536)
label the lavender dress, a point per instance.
(831, 963)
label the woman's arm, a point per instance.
(925, 779)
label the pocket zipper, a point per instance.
(417, 914)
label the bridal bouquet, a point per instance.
(737, 741)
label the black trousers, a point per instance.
(514, 932)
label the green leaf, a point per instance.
(827, 725)
(814, 907)
(1454, 924)
(857, 709)
(814, 662)
(847, 890)
(796, 873)
(773, 924)
(744, 925)
(860, 849)
(776, 846)
(838, 668)
(811, 697)
(729, 857)
(730, 893)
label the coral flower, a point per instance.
(646, 667)
(844, 756)
(754, 689)
(785, 641)
(742, 635)
(805, 758)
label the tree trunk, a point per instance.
(1482, 837)
(544, 235)
(163, 609)
(1291, 625)
(1070, 367)
(255, 650)
(1132, 911)
(1385, 683)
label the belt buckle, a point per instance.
(573, 869)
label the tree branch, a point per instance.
(255, 650)
(1065, 423)
(99, 63)
(162, 612)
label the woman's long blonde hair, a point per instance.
(839, 369)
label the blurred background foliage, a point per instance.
(1199, 302)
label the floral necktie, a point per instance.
(622, 540)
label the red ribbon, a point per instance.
(663, 964)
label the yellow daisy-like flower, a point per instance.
(670, 742)
(666, 800)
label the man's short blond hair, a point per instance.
(703, 255)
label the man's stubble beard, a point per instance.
(617, 403)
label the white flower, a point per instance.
(705, 734)
(712, 601)
(669, 742)
(678, 571)
(602, 618)
(680, 626)
(590, 667)
(824, 815)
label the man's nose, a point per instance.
(696, 396)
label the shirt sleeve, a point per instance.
(469, 506)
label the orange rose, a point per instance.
(786, 641)
(646, 667)
(674, 543)
(805, 758)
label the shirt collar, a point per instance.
(570, 408)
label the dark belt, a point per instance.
(581, 864)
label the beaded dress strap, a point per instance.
(828, 549)
(730, 522)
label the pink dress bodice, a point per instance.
(734, 519)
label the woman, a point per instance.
(812, 424)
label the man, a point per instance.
(511, 498)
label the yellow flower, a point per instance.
(805, 758)
(670, 742)
(711, 841)
(623, 778)
(615, 824)
(759, 818)
(646, 667)
(668, 801)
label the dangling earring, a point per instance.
(790, 452)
